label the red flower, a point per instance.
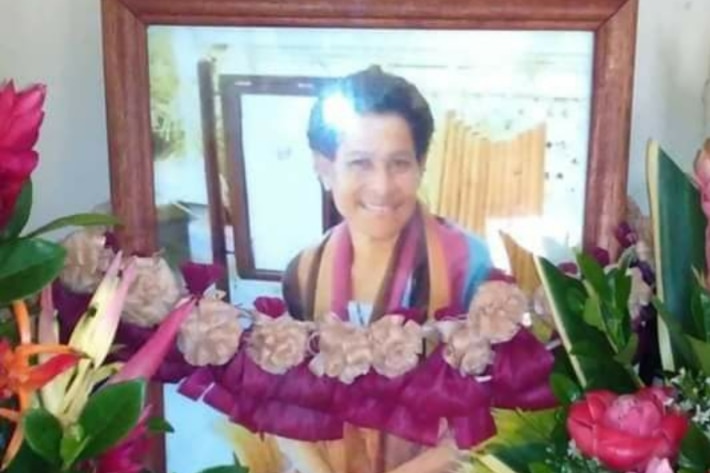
(20, 118)
(271, 306)
(626, 432)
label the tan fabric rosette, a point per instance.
(344, 350)
(498, 310)
(210, 334)
(278, 344)
(153, 294)
(466, 350)
(87, 260)
(396, 345)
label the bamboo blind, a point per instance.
(471, 178)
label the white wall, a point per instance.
(57, 42)
(672, 67)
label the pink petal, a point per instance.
(271, 306)
(17, 165)
(22, 131)
(45, 327)
(146, 361)
(199, 277)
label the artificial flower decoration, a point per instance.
(154, 292)
(466, 349)
(278, 344)
(87, 260)
(396, 345)
(498, 309)
(21, 115)
(627, 432)
(345, 352)
(211, 333)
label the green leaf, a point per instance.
(593, 272)
(695, 450)
(677, 342)
(593, 313)
(541, 468)
(702, 353)
(588, 348)
(620, 283)
(26, 266)
(700, 311)
(159, 425)
(20, 214)
(626, 355)
(679, 239)
(27, 460)
(226, 469)
(43, 433)
(566, 391)
(73, 441)
(76, 220)
(110, 415)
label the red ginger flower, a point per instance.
(20, 118)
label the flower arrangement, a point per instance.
(67, 405)
(632, 373)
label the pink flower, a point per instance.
(626, 433)
(20, 118)
(659, 466)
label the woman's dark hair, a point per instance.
(372, 91)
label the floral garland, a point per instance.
(242, 361)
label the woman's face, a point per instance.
(375, 175)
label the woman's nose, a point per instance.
(381, 180)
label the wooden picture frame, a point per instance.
(125, 24)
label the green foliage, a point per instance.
(110, 415)
(594, 325)
(26, 266)
(43, 433)
(679, 239)
(75, 220)
(695, 451)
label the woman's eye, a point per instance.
(359, 163)
(402, 164)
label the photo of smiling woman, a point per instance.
(369, 133)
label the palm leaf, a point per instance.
(679, 242)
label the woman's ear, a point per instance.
(324, 169)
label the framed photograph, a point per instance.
(209, 106)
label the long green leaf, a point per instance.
(679, 241)
(76, 220)
(678, 343)
(26, 266)
(695, 451)
(700, 312)
(702, 353)
(588, 348)
(43, 433)
(20, 215)
(110, 415)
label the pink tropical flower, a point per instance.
(20, 118)
(626, 433)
